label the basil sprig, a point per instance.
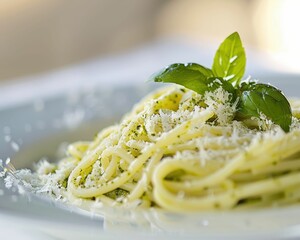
(254, 99)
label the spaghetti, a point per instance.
(182, 151)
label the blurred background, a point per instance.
(41, 36)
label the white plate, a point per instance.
(36, 129)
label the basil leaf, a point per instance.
(192, 76)
(230, 59)
(177, 70)
(185, 75)
(266, 99)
